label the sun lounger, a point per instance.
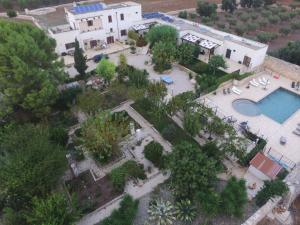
(296, 132)
(262, 82)
(265, 80)
(236, 90)
(253, 83)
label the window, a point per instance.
(122, 16)
(70, 45)
(90, 23)
(111, 30)
(109, 19)
(123, 32)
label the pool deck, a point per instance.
(263, 125)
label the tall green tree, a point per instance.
(162, 33)
(271, 189)
(54, 210)
(290, 53)
(246, 3)
(106, 70)
(101, 134)
(79, 59)
(215, 62)
(185, 53)
(164, 54)
(156, 93)
(205, 8)
(209, 201)
(229, 5)
(123, 68)
(30, 165)
(191, 122)
(191, 170)
(234, 197)
(138, 78)
(29, 69)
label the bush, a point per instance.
(192, 15)
(183, 14)
(266, 36)
(169, 132)
(121, 174)
(205, 19)
(240, 29)
(244, 17)
(266, 13)
(273, 19)
(58, 135)
(133, 35)
(11, 13)
(271, 189)
(251, 26)
(125, 215)
(295, 25)
(284, 16)
(221, 25)
(154, 153)
(285, 30)
(231, 21)
(141, 42)
(258, 148)
(263, 22)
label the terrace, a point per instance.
(287, 154)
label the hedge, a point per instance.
(125, 215)
(121, 174)
(154, 153)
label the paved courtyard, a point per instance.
(263, 125)
(182, 83)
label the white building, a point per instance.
(249, 54)
(95, 25)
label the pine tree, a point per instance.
(79, 59)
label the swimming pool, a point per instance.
(279, 105)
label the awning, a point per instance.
(200, 41)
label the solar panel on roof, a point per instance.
(88, 8)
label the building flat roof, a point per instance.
(81, 9)
(265, 165)
(185, 25)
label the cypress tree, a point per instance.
(79, 59)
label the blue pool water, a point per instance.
(279, 105)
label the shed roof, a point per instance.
(265, 165)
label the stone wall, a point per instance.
(283, 68)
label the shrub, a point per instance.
(273, 19)
(125, 215)
(121, 174)
(169, 132)
(270, 189)
(11, 13)
(192, 15)
(205, 19)
(251, 26)
(285, 30)
(154, 153)
(141, 42)
(58, 135)
(244, 17)
(221, 25)
(240, 29)
(254, 16)
(183, 14)
(133, 35)
(292, 14)
(284, 16)
(266, 36)
(266, 13)
(263, 22)
(231, 21)
(295, 25)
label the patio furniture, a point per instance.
(167, 79)
(293, 84)
(253, 83)
(228, 90)
(224, 91)
(298, 85)
(236, 90)
(266, 80)
(296, 132)
(283, 140)
(262, 82)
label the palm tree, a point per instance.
(162, 212)
(185, 211)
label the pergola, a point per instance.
(203, 43)
(141, 27)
